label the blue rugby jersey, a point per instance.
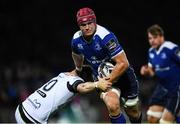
(166, 64)
(103, 46)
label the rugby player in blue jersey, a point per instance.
(164, 63)
(96, 44)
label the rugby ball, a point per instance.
(105, 69)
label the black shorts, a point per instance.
(168, 99)
(128, 84)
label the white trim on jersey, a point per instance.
(77, 34)
(166, 44)
(117, 54)
(100, 31)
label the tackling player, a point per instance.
(96, 44)
(55, 93)
(164, 63)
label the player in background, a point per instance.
(164, 63)
(55, 93)
(96, 44)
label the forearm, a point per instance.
(102, 84)
(86, 87)
(118, 70)
(120, 67)
(78, 61)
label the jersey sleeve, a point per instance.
(73, 87)
(74, 46)
(176, 54)
(112, 45)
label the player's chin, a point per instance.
(153, 46)
(89, 33)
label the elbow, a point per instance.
(122, 67)
(125, 65)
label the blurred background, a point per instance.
(35, 38)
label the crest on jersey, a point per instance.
(151, 55)
(97, 47)
(177, 53)
(163, 56)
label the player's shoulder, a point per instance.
(68, 76)
(102, 31)
(151, 49)
(62, 74)
(169, 45)
(77, 34)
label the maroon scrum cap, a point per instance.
(85, 15)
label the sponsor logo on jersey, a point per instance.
(158, 68)
(94, 60)
(111, 45)
(163, 69)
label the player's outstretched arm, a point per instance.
(90, 86)
(120, 67)
(78, 62)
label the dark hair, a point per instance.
(155, 30)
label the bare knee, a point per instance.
(153, 116)
(112, 102)
(112, 105)
(167, 117)
(152, 119)
(154, 113)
